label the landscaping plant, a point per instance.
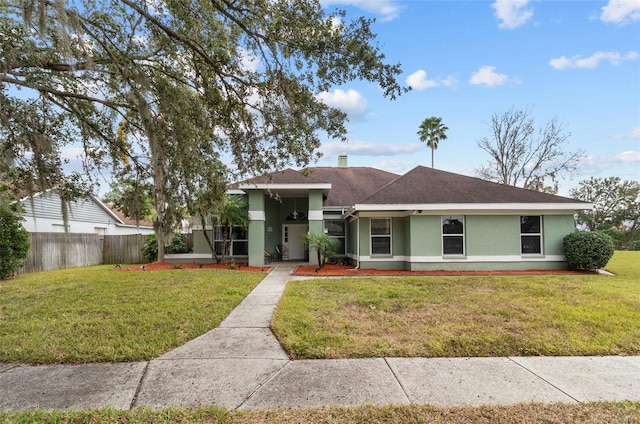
(150, 249)
(588, 250)
(14, 240)
(324, 245)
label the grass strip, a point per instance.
(600, 412)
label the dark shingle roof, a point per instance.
(421, 185)
(286, 176)
(349, 185)
(427, 185)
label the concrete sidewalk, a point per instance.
(240, 365)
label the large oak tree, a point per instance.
(158, 91)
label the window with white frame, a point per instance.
(531, 234)
(453, 235)
(240, 244)
(381, 236)
(335, 229)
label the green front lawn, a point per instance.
(464, 316)
(96, 314)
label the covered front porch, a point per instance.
(280, 215)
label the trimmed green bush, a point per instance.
(588, 250)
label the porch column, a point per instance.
(315, 220)
(256, 227)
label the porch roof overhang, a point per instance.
(473, 208)
(296, 188)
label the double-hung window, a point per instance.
(531, 234)
(335, 229)
(381, 236)
(453, 235)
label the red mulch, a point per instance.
(346, 270)
(159, 266)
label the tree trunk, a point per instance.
(208, 239)
(432, 154)
(157, 159)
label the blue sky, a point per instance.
(578, 61)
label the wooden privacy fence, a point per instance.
(123, 249)
(51, 251)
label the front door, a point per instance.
(292, 235)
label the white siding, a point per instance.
(43, 214)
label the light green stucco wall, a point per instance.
(492, 235)
(398, 236)
(555, 228)
(315, 225)
(200, 244)
(273, 222)
(418, 238)
(425, 236)
(256, 228)
(365, 243)
(352, 236)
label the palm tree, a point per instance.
(432, 131)
(233, 211)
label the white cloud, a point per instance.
(351, 102)
(512, 13)
(591, 62)
(72, 153)
(450, 81)
(488, 76)
(594, 164)
(387, 10)
(632, 133)
(336, 24)
(248, 61)
(418, 80)
(621, 11)
(364, 148)
(396, 166)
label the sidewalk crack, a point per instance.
(134, 400)
(543, 379)
(259, 386)
(406, 395)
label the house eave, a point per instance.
(426, 208)
(298, 186)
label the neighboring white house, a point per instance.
(43, 214)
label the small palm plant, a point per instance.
(324, 245)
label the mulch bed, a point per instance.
(348, 270)
(162, 266)
(331, 270)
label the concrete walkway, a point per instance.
(240, 365)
